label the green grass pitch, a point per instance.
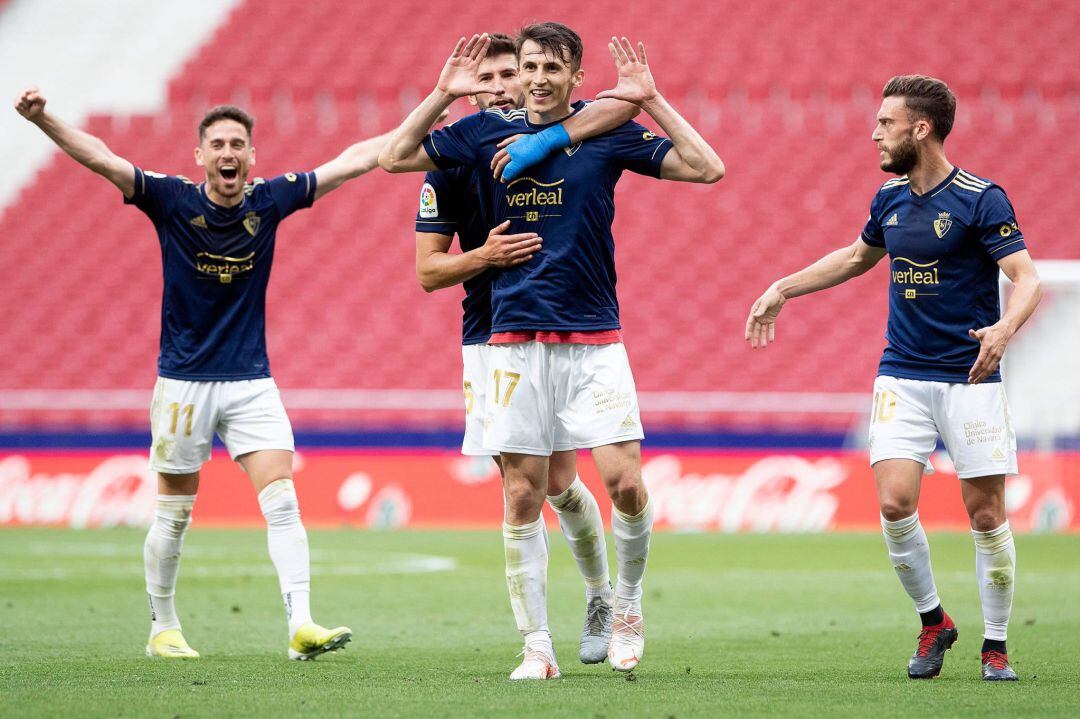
(736, 625)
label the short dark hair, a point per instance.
(925, 97)
(555, 38)
(226, 112)
(501, 45)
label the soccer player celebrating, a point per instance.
(449, 205)
(217, 241)
(557, 365)
(947, 233)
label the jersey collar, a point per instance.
(920, 199)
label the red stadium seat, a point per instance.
(788, 103)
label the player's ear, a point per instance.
(922, 130)
(198, 157)
(578, 77)
(472, 101)
(252, 155)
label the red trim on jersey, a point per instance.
(597, 337)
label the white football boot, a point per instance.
(627, 639)
(538, 663)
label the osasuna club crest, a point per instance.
(942, 224)
(251, 223)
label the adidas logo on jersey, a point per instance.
(893, 221)
(998, 454)
(199, 221)
(628, 424)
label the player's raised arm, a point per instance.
(83, 147)
(691, 159)
(831, 270)
(521, 152)
(405, 151)
(356, 160)
(436, 268)
(1027, 291)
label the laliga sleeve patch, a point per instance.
(429, 204)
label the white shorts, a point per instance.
(247, 414)
(544, 398)
(474, 363)
(972, 420)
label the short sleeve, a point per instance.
(155, 194)
(995, 224)
(872, 233)
(440, 205)
(457, 143)
(292, 191)
(635, 148)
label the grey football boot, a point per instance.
(596, 634)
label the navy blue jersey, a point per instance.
(449, 205)
(569, 200)
(216, 262)
(943, 249)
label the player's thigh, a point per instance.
(253, 420)
(619, 462)
(898, 483)
(619, 465)
(518, 416)
(596, 403)
(562, 471)
(902, 422)
(183, 416)
(264, 466)
(178, 484)
(525, 481)
(474, 372)
(976, 429)
(984, 500)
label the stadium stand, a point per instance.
(789, 106)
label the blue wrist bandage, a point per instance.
(531, 149)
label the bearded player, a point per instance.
(449, 205)
(217, 241)
(557, 365)
(948, 233)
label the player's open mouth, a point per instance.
(541, 94)
(501, 102)
(229, 172)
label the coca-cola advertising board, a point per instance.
(726, 491)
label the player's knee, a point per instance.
(523, 496)
(627, 490)
(893, 509)
(983, 519)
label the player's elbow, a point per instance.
(427, 279)
(713, 172)
(387, 161)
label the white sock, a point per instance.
(161, 558)
(581, 524)
(910, 554)
(288, 543)
(632, 535)
(995, 565)
(526, 549)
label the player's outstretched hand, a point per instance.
(992, 341)
(636, 83)
(31, 104)
(458, 76)
(502, 250)
(761, 324)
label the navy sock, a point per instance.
(932, 618)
